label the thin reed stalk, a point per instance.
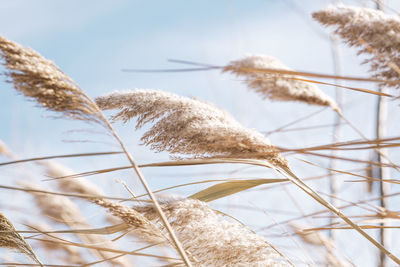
(383, 173)
(40, 79)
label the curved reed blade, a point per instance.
(108, 230)
(228, 188)
(211, 239)
(294, 73)
(60, 156)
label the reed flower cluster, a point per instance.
(188, 126)
(11, 239)
(379, 31)
(39, 78)
(210, 239)
(276, 86)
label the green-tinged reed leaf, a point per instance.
(229, 188)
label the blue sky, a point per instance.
(92, 41)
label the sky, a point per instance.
(93, 41)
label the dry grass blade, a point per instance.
(350, 159)
(319, 75)
(62, 210)
(31, 264)
(348, 87)
(303, 73)
(10, 238)
(108, 230)
(105, 249)
(39, 78)
(326, 211)
(386, 142)
(311, 237)
(60, 156)
(188, 126)
(277, 86)
(228, 188)
(72, 254)
(293, 178)
(58, 193)
(187, 162)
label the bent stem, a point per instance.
(377, 150)
(294, 179)
(152, 196)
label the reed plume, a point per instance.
(189, 126)
(40, 79)
(281, 87)
(11, 239)
(211, 240)
(140, 226)
(62, 210)
(380, 32)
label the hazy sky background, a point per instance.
(92, 41)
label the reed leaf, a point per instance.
(232, 187)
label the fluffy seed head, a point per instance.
(188, 126)
(281, 87)
(379, 30)
(212, 241)
(142, 227)
(40, 79)
(9, 238)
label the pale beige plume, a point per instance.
(275, 86)
(186, 126)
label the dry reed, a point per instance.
(277, 86)
(189, 126)
(61, 210)
(140, 226)
(39, 78)
(11, 239)
(379, 31)
(211, 240)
